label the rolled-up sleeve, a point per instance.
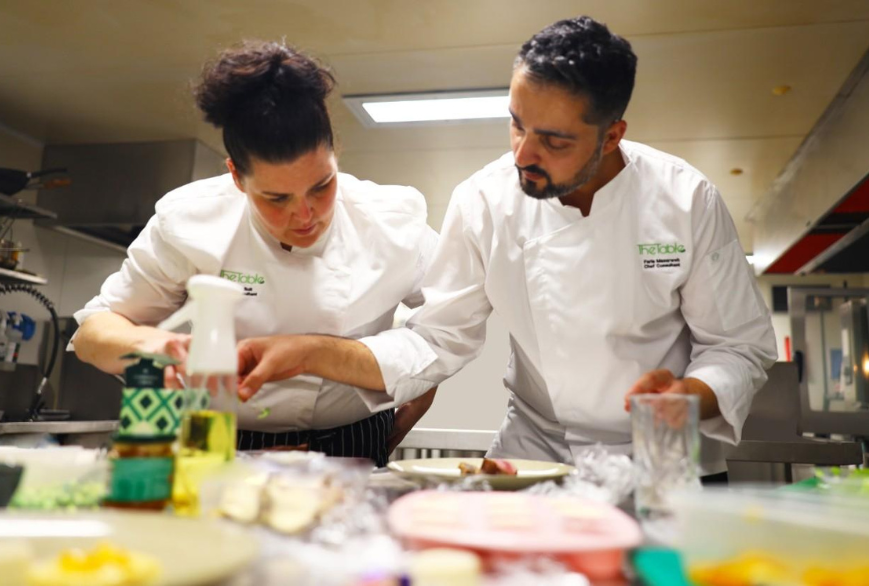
(427, 247)
(150, 284)
(450, 329)
(732, 339)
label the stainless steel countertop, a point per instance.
(61, 427)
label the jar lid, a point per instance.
(147, 370)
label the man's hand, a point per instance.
(406, 416)
(663, 381)
(262, 360)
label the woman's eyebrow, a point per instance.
(325, 179)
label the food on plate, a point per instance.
(761, 569)
(291, 508)
(241, 501)
(445, 566)
(489, 466)
(70, 497)
(493, 466)
(15, 559)
(104, 565)
(468, 469)
(287, 503)
(841, 481)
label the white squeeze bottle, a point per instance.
(208, 427)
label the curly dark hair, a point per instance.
(584, 57)
(269, 99)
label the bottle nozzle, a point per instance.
(179, 318)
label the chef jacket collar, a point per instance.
(604, 197)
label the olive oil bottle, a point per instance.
(208, 426)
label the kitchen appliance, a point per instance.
(831, 350)
(853, 388)
(116, 185)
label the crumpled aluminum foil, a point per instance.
(600, 476)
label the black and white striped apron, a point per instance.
(364, 439)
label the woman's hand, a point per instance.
(171, 344)
(106, 336)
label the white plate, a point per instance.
(190, 551)
(528, 472)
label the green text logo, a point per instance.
(242, 278)
(658, 248)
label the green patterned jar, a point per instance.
(149, 411)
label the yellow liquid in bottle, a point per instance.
(207, 444)
(212, 432)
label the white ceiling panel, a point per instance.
(112, 71)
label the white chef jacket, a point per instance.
(654, 277)
(348, 283)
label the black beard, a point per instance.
(550, 189)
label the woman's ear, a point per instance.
(235, 174)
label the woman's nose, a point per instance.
(304, 211)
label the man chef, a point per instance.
(616, 268)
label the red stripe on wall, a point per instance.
(810, 246)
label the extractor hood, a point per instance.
(815, 219)
(115, 186)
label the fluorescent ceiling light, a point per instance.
(429, 108)
(443, 109)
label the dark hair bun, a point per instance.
(265, 75)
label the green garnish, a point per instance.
(264, 413)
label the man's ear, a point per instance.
(613, 136)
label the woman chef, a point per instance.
(315, 249)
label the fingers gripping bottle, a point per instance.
(208, 426)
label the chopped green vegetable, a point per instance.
(71, 496)
(264, 413)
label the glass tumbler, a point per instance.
(666, 449)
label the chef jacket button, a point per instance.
(714, 256)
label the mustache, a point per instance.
(536, 170)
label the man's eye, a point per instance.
(557, 145)
(278, 199)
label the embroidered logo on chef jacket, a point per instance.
(661, 256)
(250, 282)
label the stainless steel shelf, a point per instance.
(11, 206)
(804, 451)
(58, 427)
(9, 276)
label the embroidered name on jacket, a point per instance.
(662, 255)
(244, 279)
